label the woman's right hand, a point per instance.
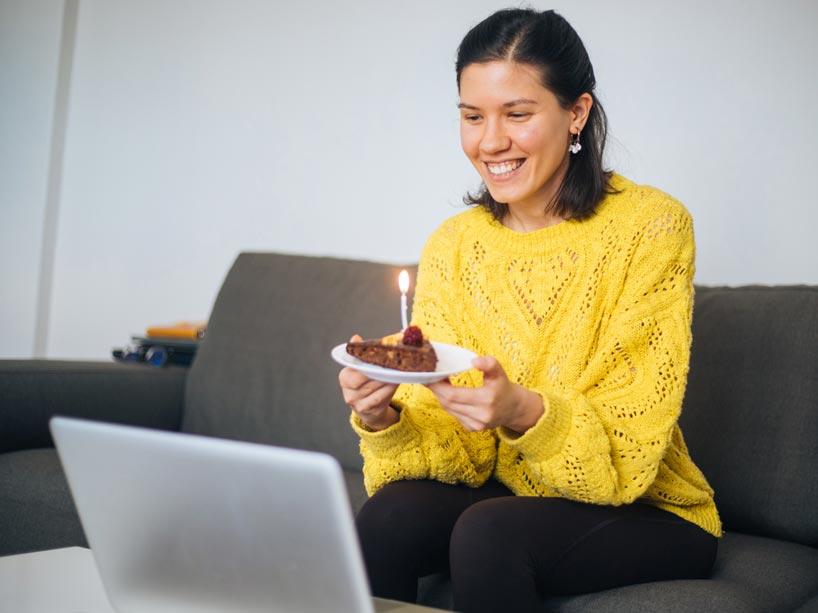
(369, 399)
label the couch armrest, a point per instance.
(32, 391)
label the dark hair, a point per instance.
(547, 42)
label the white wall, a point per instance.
(200, 129)
(29, 54)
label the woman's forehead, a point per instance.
(501, 82)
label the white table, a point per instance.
(67, 581)
(58, 581)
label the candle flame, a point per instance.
(403, 281)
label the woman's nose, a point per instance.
(494, 138)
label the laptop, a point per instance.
(184, 523)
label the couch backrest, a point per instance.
(750, 414)
(263, 372)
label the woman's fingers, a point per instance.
(356, 380)
(379, 397)
(465, 404)
(468, 420)
(476, 408)
(464, 396)
(364, 394)
(472, 418)
(360, 386)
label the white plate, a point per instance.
(451, 360)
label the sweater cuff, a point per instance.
(545, 438)
(387, 441)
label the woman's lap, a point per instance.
(405, 529)
(507, 551)
(528, 547)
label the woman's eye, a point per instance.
(518, 115)
(471, 118)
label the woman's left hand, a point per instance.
(499, 402)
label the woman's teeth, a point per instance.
(505, 167)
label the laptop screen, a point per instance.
(180, 522)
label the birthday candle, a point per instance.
(403, 284)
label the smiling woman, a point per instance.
(556, 464)
(549, 62)
(520, 146)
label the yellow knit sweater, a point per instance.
(592, 315)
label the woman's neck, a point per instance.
(537, 211)
(521, 219)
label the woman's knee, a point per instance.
(507, 527)
(490, 559)
(385, 515)
(485, 530)
(407, 511)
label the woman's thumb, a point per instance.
(489, 366)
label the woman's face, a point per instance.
(515, 132)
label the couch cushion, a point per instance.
(33, 391)
(263, 373)
(752, 574)
(750, 414)
(811, 606)
(354, 481)
(36, 508)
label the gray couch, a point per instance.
(263, 373)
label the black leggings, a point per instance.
(506, 552)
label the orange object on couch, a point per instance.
(182, 329)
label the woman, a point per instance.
(556, 465)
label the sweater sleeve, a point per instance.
(603, 440)
(427, 442)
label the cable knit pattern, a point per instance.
(594, 316)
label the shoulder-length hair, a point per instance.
(547, 42)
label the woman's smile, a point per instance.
(501, 171)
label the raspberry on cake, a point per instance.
(408, 351)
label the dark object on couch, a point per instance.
(263, 373)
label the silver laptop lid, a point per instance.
(183, 523)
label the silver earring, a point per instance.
(574, 147)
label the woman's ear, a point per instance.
(580, 110)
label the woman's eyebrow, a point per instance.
(510, 103)
(520, 101)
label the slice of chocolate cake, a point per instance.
(407, 351)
